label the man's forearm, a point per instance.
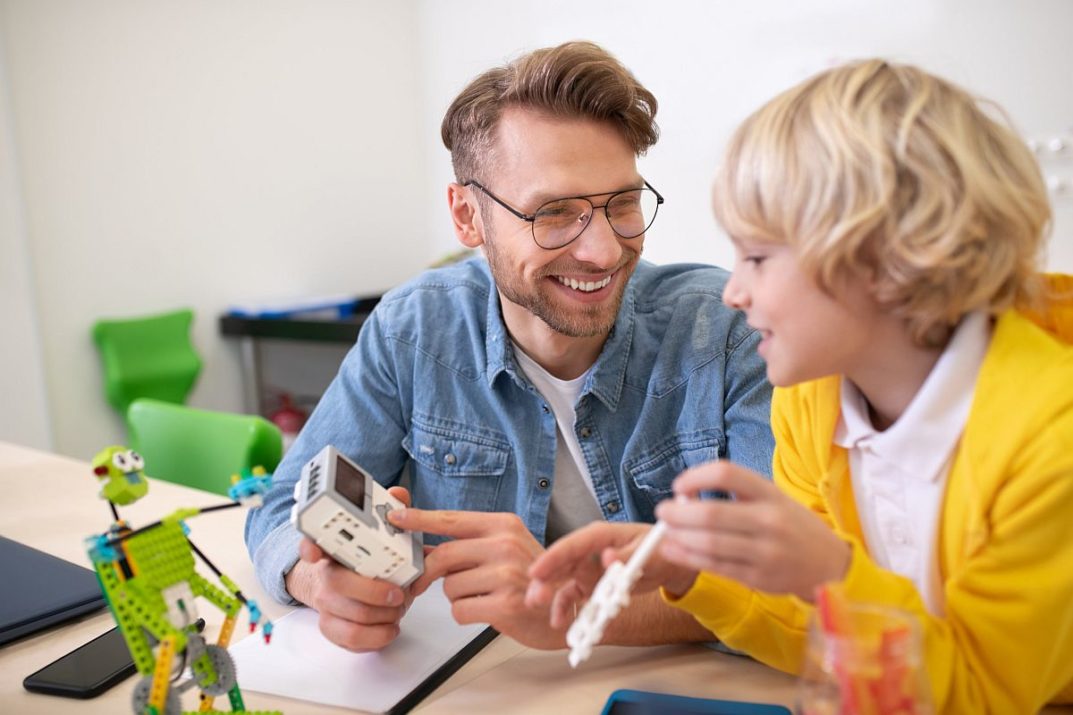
(649, 620)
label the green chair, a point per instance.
(150, 356)
(200, 448)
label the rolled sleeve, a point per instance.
(359, 416)
(274, 558)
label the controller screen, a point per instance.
(350, 483)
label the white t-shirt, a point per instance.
(899, 475)
(573, 498)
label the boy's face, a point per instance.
(807, 333)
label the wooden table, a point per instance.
(51, 503)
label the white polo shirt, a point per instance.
(899, 475)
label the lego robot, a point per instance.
(149, 579)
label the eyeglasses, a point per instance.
(558, 222)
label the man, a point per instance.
(560, 382)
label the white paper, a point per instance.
(301, 663)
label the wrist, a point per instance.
(680, 583)
(298, 582)
(838, 569)
(841, 560)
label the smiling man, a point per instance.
(556, 381)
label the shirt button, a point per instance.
(585, 432)
(543, 484)
(613, 507)
(544, 409)
(450, 458)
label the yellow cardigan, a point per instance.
(1005, 644)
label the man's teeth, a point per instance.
(585, 286)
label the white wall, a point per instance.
(202, 153)
(24, 420)
(161, 153)
(711, 62)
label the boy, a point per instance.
(886, 232)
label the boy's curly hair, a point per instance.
(893, 174)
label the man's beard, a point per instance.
(580, 321)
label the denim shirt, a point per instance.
(432, 391)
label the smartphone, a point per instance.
(89, 669)
(640, 702)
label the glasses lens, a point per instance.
(632, 212)
(559, 222)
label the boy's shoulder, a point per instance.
(1021, 421)
(1021, 370)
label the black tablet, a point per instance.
(39, 590)
(639, 702)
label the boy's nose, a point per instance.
(734, 295)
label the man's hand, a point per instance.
(484, 569)
(566, 575)
(762, 538)
(357, 613)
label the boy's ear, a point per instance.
(870, 278)
(465, 216)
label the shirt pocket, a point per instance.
(653, 470)
(455, 466)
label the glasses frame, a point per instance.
(531, 218)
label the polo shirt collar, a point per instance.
(922, 439)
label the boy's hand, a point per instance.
(356, 613)
(762, 538)
(567, 573)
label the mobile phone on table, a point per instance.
(89, 669)
(641, 702)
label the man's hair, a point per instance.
(576, 80)
(900, 177)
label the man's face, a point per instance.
(577, 289)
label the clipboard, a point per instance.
(444, 672)
(301, 663)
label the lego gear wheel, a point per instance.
(225, 672)
(140, 699)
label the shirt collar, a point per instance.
(606, 377)
(497, 348)
(921, 441)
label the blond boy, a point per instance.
(887, 233)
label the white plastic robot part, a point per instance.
(611, 595)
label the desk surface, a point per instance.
(51, 503)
